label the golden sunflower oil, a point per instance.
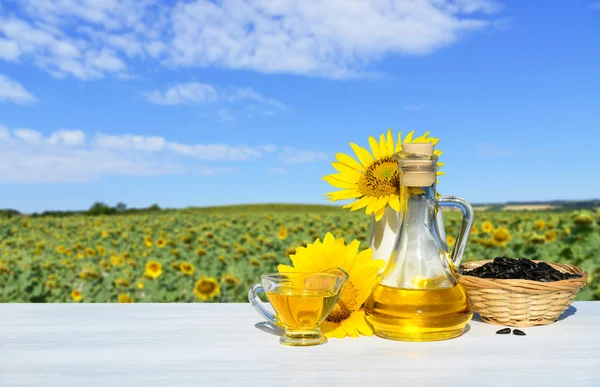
(418, 314)
(301, 309)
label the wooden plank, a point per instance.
(228, 345)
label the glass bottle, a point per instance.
(419, 297)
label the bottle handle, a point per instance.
(258, 304)
(465, 228)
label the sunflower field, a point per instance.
(216, 256)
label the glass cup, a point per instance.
(302, 301)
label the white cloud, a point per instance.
(196, 93)
(298, 156)
(249, 94)
(32, 137)
(66, 155)
(4, 133)
(216, 151)
(51, 41)
(13, 91)
(225, 115)
(153, 143)
(67, 137)
(469, 6)
(184, 93)
(28, 155)
(213, 152)
(269, 148)
(336, 39)
(9, 50)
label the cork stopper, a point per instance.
(422, 149)
(418, 165)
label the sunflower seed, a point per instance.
(519, 268)
(519, 332)
(503, 331)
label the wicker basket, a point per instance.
(521, 303)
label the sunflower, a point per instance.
(207, 288)
(125, 298)
(347, 318)
(550, 235)
(187, 268)
(501, 236)
(282, 233)
(450, 240)
(76, 295)
(117, 260)
(153, 269)
(120, 282)
(230, 279)
(374, 180)
(487, 226)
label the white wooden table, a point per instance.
(229, 345)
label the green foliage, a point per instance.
(8, 213)
(45, 259)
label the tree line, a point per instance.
(98, 208)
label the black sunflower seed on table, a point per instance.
(503, 331)
(518, 332)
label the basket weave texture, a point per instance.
(521, 303)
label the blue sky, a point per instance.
(195, 103)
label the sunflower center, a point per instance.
(345, 304)
(206, 287)
(381, 178)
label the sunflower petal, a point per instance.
(381, 203)
(394, 202)
(349, 205)
(335, 181)
(371, 207)
(409, 137)
(285, 268)
(363, 155)
(383, 146)
(375, 148)
(362, 202)
(360, 322)
(350, 329)
(329, 238)
(344, 194)
(422, 138)
(346, 170)
(331, 329)
(356, 323)
(390, 142)
(379, 214)
(399, 143)
(349, 161)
